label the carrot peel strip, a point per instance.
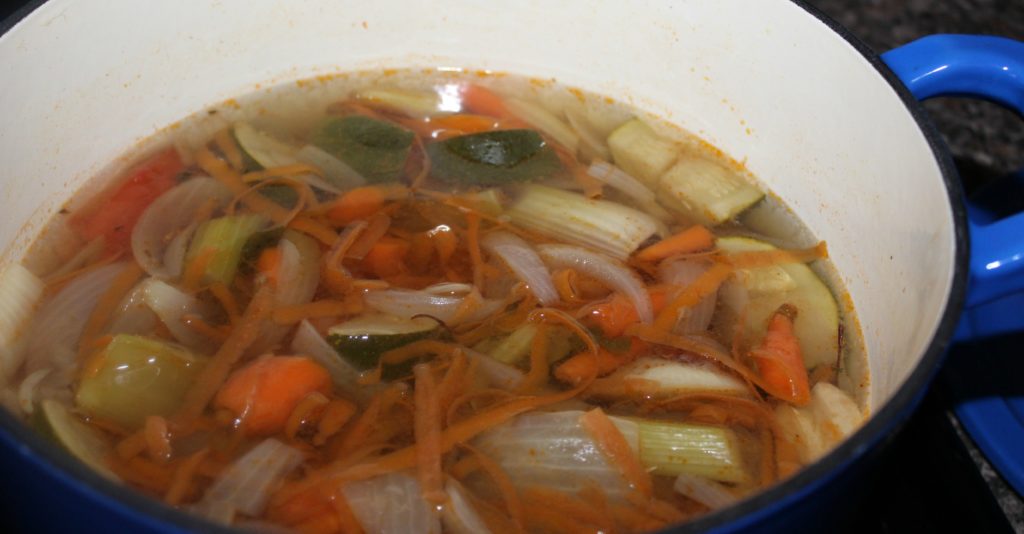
(615, 447)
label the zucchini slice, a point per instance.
(54, 420)
(817, 322)
(637, 149)
(262, 148)
(362, 340)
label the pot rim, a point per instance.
(82, 479)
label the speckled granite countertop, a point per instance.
(983, 137)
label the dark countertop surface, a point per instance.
(984, 138)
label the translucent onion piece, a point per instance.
(171, 305)
(133, 316)
(391, 504)
(309, 342)
(409, 303)
(298, 278)
(608, 271)
(545, 121)
(458, 515)
(337, 172)
(20, 290)
(169, 215)
(245, 486)
(498, 374)
(52, 338)
(592, 144)
(553, 450)
(453, 289)
(27, 390)
(524, 262)
(617, 179)
(705, 491)
(696, 319)
(174, 255)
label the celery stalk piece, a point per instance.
(138, 377)
(600, 225)
(675, 448)
(706, 191)
(224, 237)
(515, 348)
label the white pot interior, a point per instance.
(772, 86)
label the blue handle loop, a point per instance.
(990, 68)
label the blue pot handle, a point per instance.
(990, 68)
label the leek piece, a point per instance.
(138, 377)
(600, 225)
(515, 348)
(545, 121)
(667, 378)
(676, 448)
(225, 237)
(391, 504)
(706, 191)
(489, 201)
(553, 450)
(20, 290)
(637, 149)
(416, 104)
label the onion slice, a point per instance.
(53, 335)
(169, 215)
(409, 303)
(245, 486)
(608, 271)
(524, 262)
(705, 491)
(681, 272)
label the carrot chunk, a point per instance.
(780, 360)
(265, 392)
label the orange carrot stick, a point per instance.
(227, 301)
(317, 309)
(502, 482)
(104, 309)
(780, 360)
(573, 370)
(617, 313)
(703, 286)
(482, 101)
(473, 244)
(218, 367)
(358, 203)
(181, 481)
(693, 239)
(615, 447)
(763, 258)
(387, 257)
(265, 393)
(313, 229)
(427, 429)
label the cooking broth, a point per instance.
(412, 302)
